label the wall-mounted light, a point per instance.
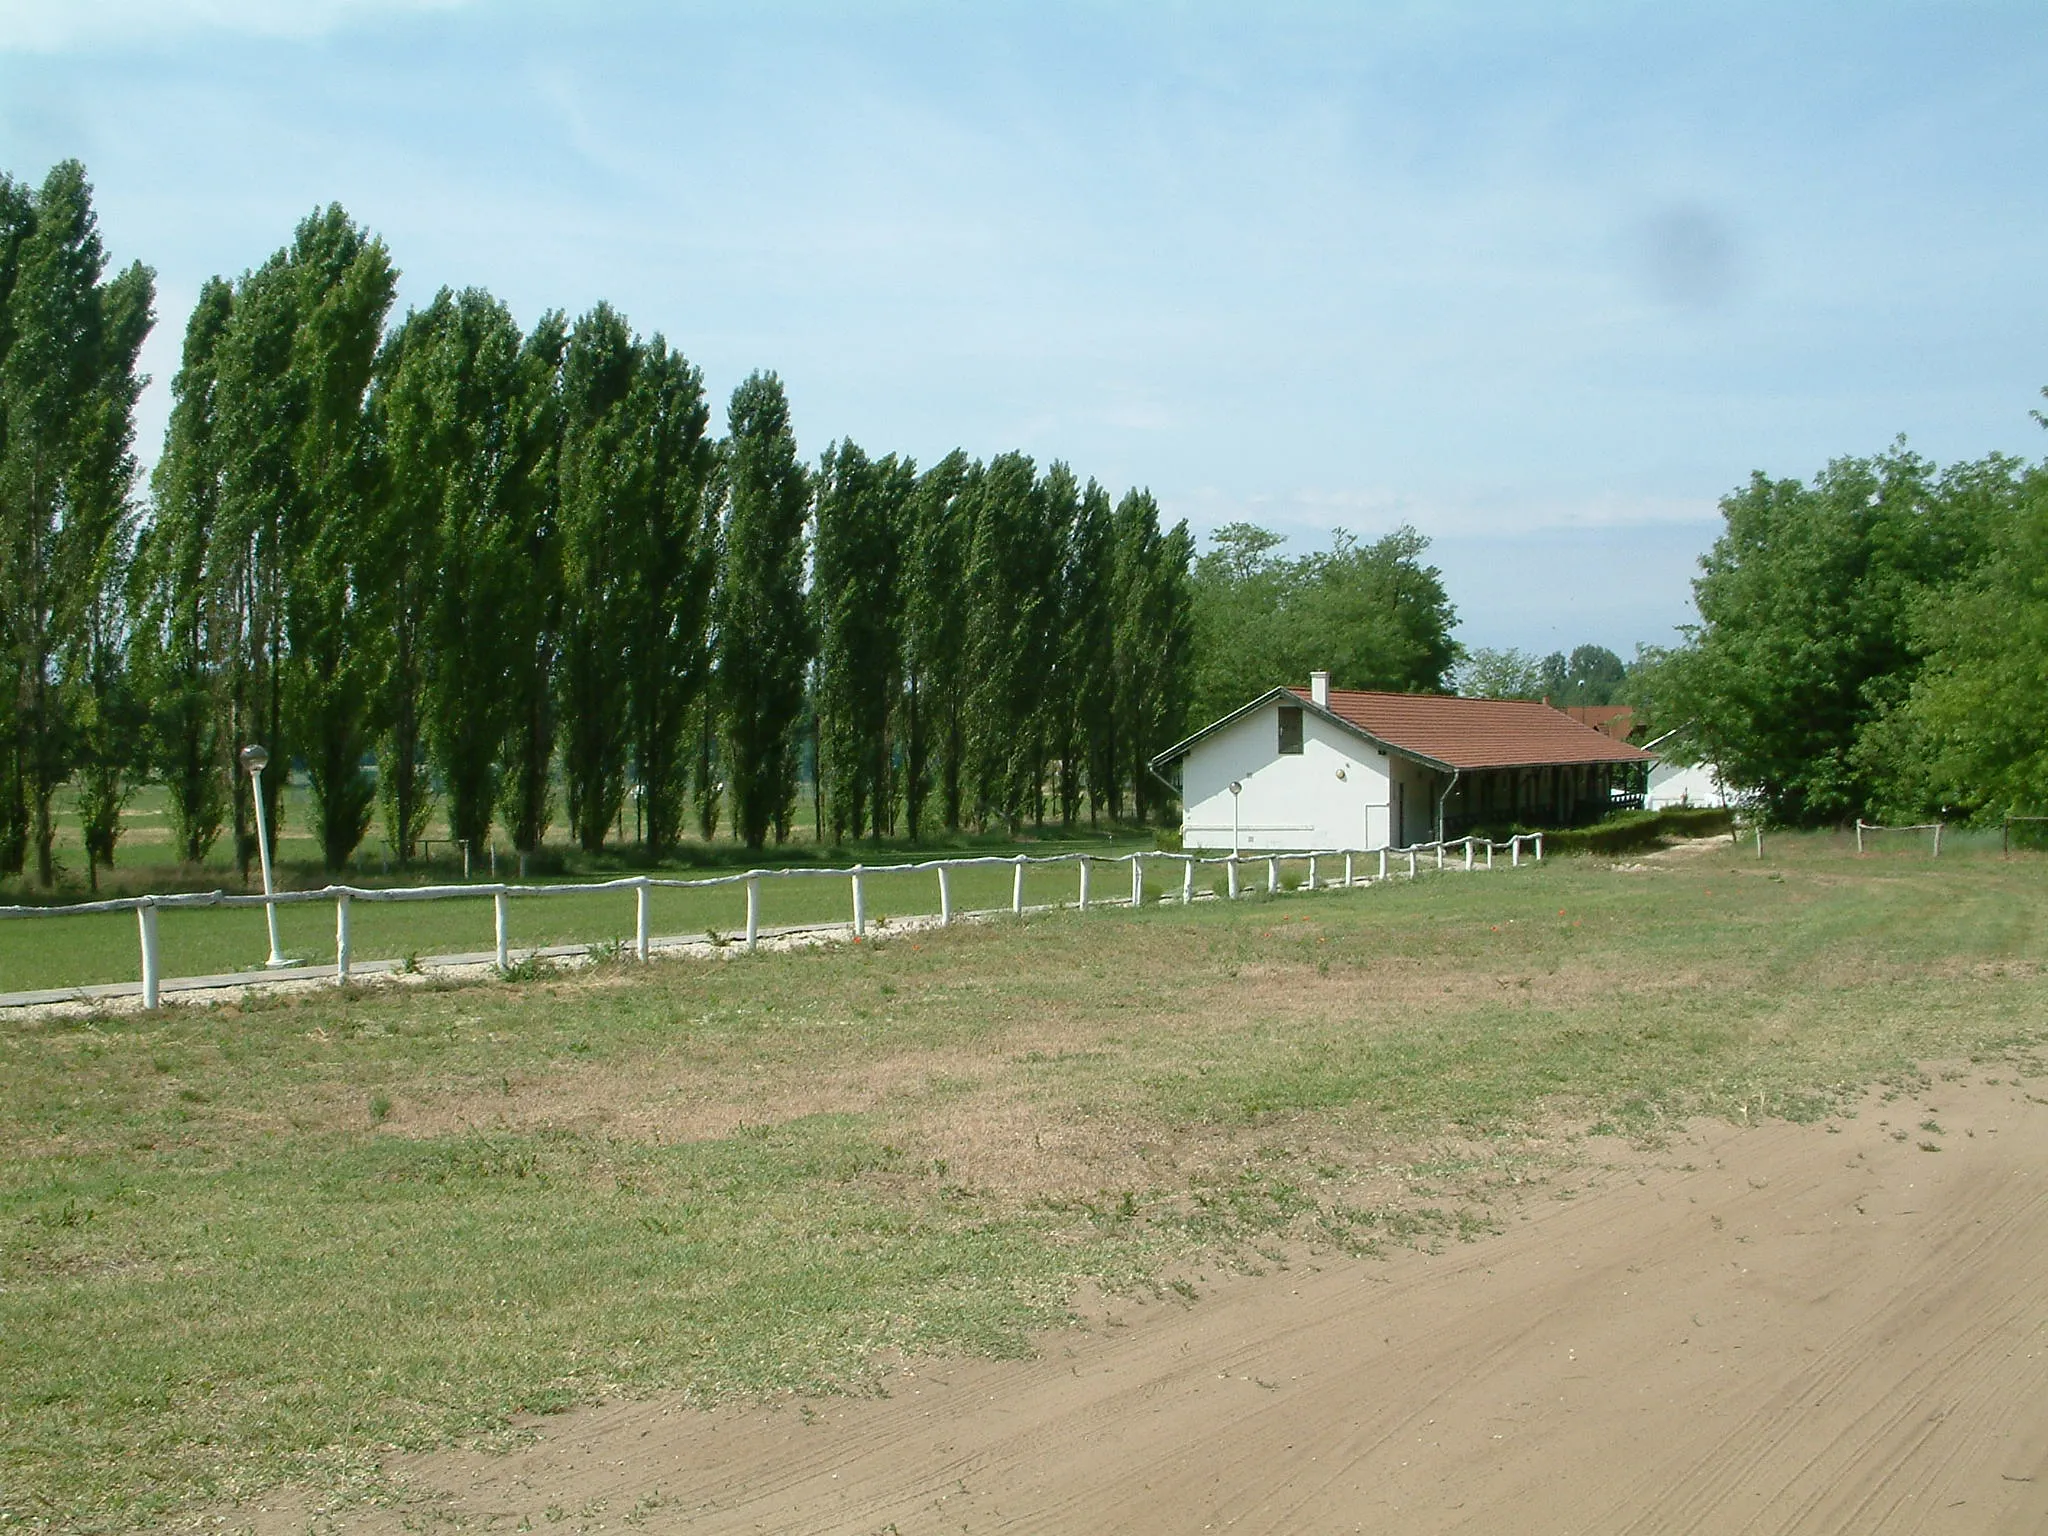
(1340, 773)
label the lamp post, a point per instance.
(1236, 789)
(255, 758)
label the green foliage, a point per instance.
(1971, 734)
(596, 472)
(1153, 645)
(762, 625)
(934, 627)
(69, 337)
(1371, 615)
(1486, 673)
(1592, 674)
(1010, 611)
(179, 642)
(1088, 640)
(1626, 831)
(306, 615)
(1806, 606)
(490, 563)
(637, 548)
(863, 511)
(530, 604)
(669, 528)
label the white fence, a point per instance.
(1466, 853)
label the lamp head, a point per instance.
(254, 757)
(1236, 788)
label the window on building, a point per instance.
(1290, 730)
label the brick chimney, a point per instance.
(1319, 688)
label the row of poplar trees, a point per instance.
(444, 562)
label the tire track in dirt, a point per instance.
(1781, 1330)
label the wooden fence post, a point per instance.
(1468, 854)
(1272, 877)
(1347, 872)
(1084, 882)
(1383, 863)
(945, 897)
(499, 914)
(1017, 889)
(753, 913)
(341, 940)
(1137, 881)
(1411, 863)
(1311, 871)
(1187, 881)
(640, 918)
(145, 922)
(860, 905)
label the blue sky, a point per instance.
(1543, 280)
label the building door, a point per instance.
(1400, 813)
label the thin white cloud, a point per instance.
(66, 26)
(1307, 516)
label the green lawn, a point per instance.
(47, 952)
(269, 1242)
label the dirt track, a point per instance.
(1777, 1329)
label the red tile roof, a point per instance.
(1478, 733)
(1615, 720)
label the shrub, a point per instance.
(1627, 831)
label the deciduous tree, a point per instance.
(763, 626)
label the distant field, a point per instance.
(265, 1243)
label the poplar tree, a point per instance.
(468, 438)
(1152, 643)
(597, 477)
(938, 530)
(17, 219)
(411, 443)
(296, 559)
(1055, 733)
(531, 610)
(68, 346)
(105, 711)
(670, 528)
(854, 589)
(246, 558)
(1008, 578)
(764, 640)
(339, 617)
(181, 646)
(1087, 633)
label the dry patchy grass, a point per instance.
(246, 1245)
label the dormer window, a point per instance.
(1290, 730)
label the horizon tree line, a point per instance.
(445, 560)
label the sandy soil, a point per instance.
(1776, 1329)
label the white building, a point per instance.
(1674, 786)
(1337, 768)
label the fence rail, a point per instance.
(1471, 853)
